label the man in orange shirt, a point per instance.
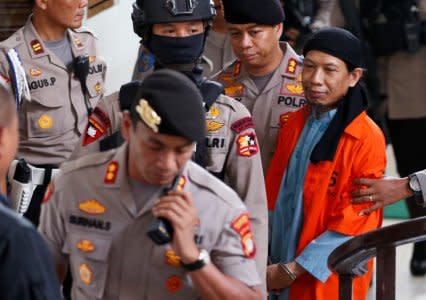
(321, 149)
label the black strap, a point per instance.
(111, 142)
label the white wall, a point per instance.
(118, 44)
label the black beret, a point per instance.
(168, 102)
(267, 12)
(337, 42)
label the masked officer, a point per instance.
(102, 227)
(266, 77)
(57, 77)
(173, 37)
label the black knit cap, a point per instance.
(337, 42)
(266, 12)
(168, 102)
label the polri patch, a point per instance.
(94, 131)
(241, 225)
(247, 145)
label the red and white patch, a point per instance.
(94, 131)
(242, 226)
(242, 124)
(247, 144)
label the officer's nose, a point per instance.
(246, 41)
(167, 161)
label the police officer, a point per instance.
(26, 267)
(58, 77)
(266, 77)
(174, 37)
(102, 227)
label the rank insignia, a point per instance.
(45, 122)
(86, 274)
(85, 246)
(35, 72)
(247, 145)
(48, 193)
(94, 131)
(172, 259)
(92, 207)
(37, 47)
(78, 43)
(148, 115)
(174, 284)
(145, 62)
(213, 125)
(111, 172)
(225, 77)
(98, 88)
(242, 124)
(181, 184)
(235, 91)
(242, 226)
(213, 113)
(291, 66)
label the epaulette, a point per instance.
(198, 176)
(84, 29)
(227, 101)
(90, 160)
(13, 41)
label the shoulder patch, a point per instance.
(242, 226)
(247, 144)
(145, 61)
(242, 124)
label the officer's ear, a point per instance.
(354, 76)
(126, 125)
(279, 30)
(42, 4)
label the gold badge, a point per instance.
(213, 125)
(78, 43)
(98, 88)
(92, 207)
(111, 172)
(45, 122)
(148, 115)
(85, 246)
(92, 58)
(86, 274)
(213, 113)
(35, 72)
(172, 259)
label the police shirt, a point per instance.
(99, 229)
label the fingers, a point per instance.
(367, 211)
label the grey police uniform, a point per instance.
(56, 115)
(232, 154)
(282, 95)
(103, 234)
(218, 53)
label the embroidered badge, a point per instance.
(213, 125)
(98, 88)
(37, 47)
(242, 124)
(247, 145)
(48, 193)
(291, 66)
(284, 118)
(145, 62)
(111, 172)
(92, 207)
(236, 90)
(242, 226)
(86, 274)
(85, 246)
(94, 131)
(102, 117)
(213, 113)
(148, 115)
(172, 259)
(174, 284)
(45, 122)
(35, 72)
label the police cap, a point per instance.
(168, 102)
(267, 12)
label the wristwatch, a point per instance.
(203, 259)
(414, 185)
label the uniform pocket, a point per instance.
(89, 262)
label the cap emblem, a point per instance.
(148, 115)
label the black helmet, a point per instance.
(148, 12)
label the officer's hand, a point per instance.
(276, 279)
(380, 192)
(178, 208)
